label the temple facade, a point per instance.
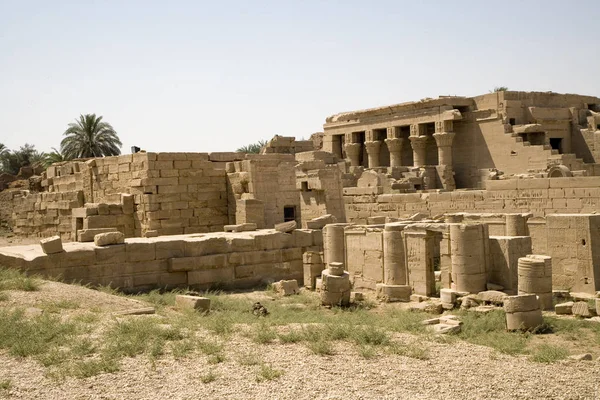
(457, 141)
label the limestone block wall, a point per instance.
(213, 260)
(269, 178)
(573, 244)
(45, 214)
(183, 193)
(320, 190)
(364, 255)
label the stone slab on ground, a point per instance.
(245, 227)
(564, 308)
(194, 302)
(583, 309)
(320, 222)
(428, 307)
(286, 288)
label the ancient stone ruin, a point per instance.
(483, 200)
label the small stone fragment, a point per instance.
(418, 298)
(428, 307)
(431, 321)
(493, 286)
(320, 222)
(356, 296)
(492, 296)
(581, 357)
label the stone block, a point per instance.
(446, 329)
(335, 284)
(564, 308)
(246, 227)
(193, 302)
(87, 235)
(583, 309)
(286, 288)
(320, 222)
(448, 296)
(140, 250)
(525, 320)
(521, 303)
(492, 296)
(83, 212)
(286, 227)
(52, 245)
(393, 293)
(108, 238)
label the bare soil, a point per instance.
(455, 370)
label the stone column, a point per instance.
(419, 146)
(535, 277)
(394, 267)
(516, 225)
(395, 147)
(444, 145)
(470, 256)
(353, 151)
(373, 152)
(334, 248)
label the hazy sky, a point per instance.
(215, 75)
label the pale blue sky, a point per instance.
(215, 75)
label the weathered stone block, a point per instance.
(52, 245)
(564, 308)
(583, 309)
(194, 302)
(392, 293)
(108, 238)
(521, 303)
(286, 288)
(87, 235)
(286, 227)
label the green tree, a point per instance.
(90, 137)
(12, 161)
(253, 148)
(53, 157)
(500, 89)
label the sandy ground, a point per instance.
(455, 370)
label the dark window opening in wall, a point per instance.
(358, 137)
(418, 187)
(305, 187)
(598, 127)
(289, 213)
(594, 107)
(78, 227)
(462, 109)
(245, 188)
(429, 128)
(379, 134)
(556, 144)
(404, 132)
(512, 121)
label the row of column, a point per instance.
(419, 147)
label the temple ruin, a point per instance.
(440, 197)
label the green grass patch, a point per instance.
(4, 296)
(209, 377)
(5, 384)
(546, 353)
(366, 351)
(12, 279)
(263, 334)
(293, 336)
(321, 347)
(267, 373)
(489, 329)
(55, 307)
(250, 359)
(24, 337)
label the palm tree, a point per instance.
(53, 157)
(253, 148)
(90, 137)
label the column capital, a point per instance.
(444, 139)
(394, 144)
(418, 142)
(373, 146)
(352, 148)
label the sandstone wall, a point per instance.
(214, 260)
